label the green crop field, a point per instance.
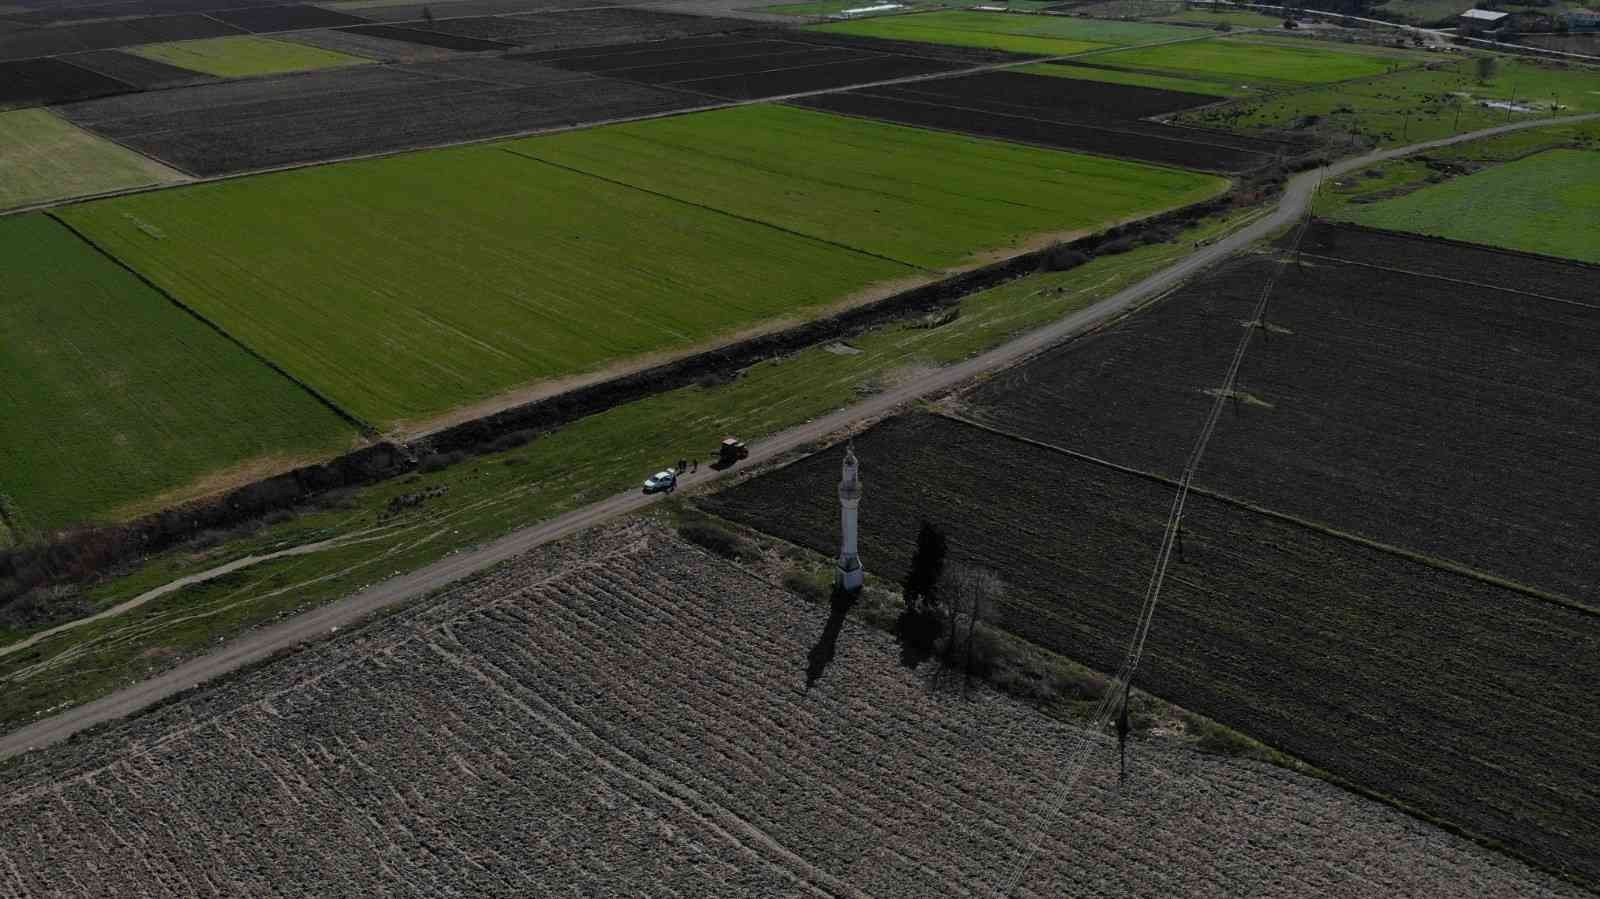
(405, 287)
(44, 158)
(1219, 87)
(1418, 104)
(1547, 203)
(1045, 35)
(930, 199)
(122, 395)
(240, 57)
(1256, 61)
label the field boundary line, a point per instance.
(1496, 287)
(732, 215)
(366, 430)
(1437, 562)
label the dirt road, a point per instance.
(260, 644)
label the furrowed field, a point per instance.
(44, 159)
(1463, 699)
(623, 714)
(238, 57)
(119, 394)
(925, 198)
(1546, 203)
(475, 271)
(1043, 35)
(1216, 86)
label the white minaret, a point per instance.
(849, 574)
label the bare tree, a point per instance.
(969, 596)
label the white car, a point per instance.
(666, 479)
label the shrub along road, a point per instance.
(402, 588)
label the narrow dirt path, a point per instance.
(262, 643)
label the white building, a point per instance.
(1482, 21)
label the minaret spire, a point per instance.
(848, 574)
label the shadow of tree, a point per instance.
(821, 655)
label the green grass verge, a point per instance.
(1215, 88)
(1547, 203)
(119, 395)
(242, 56)
(407, 286)
(1045, 35)
(44, 159)
(1254, 62)
(490, 495)
(926, 198)
(1416, 104)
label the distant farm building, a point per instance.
(1482, 21)
(1583, 19)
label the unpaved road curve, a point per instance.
(262, 643)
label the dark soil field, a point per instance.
(748, 66)
(233, 127)
(41, 82)
(953, 53)
(426, 37)
(268, 19)
(1543, 275)
(584, 28)
(1058, 112)
(46, 12)
(1451, 420)
(343, 40)
(1468, 701)
(110, 35)
(460, 9)
(622, 716)
(141, 73)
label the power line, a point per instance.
(1130, 663)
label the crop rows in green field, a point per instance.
(929, 199)
(1547, 203)
(244, 55)
(113, 394)
(405, 287)
(1018, 33)
(43, 158)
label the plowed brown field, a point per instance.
(621, 715)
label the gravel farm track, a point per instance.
(622, 714)
(267, 641)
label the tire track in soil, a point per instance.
(670, 790)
